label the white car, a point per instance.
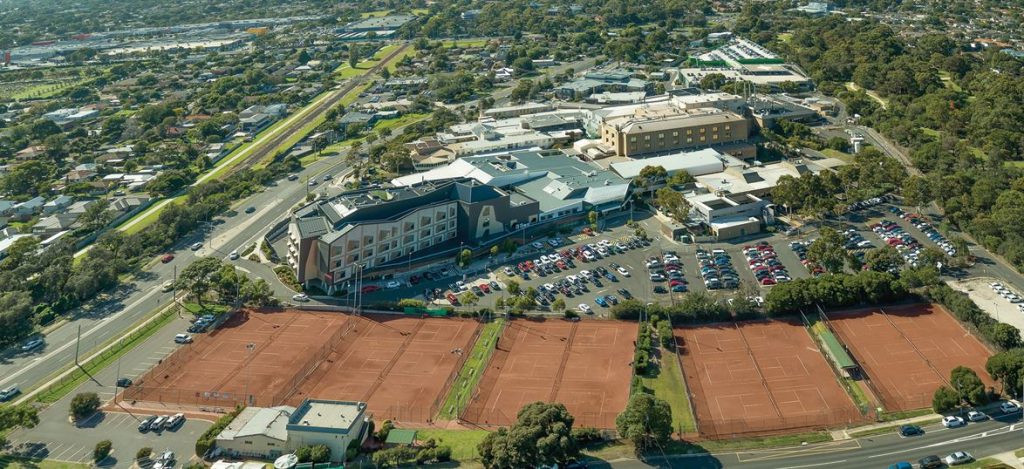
(508, 271)
(653, 263)
(300, 297)
(167, 286)
(585, 273)
(392, 284)
(952, 421)
(183, 339)
(572, 279)
(233, 255)
(959, 457)
(623, 271)
(197, 246)
(537, 245)
(584, 308)
(32, 344)
(461, 285)
(976, 416)
(548, 287)
(1009, 407)
(604, 242)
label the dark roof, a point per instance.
(309, 227)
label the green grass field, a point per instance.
(16, 92)
(667, 383)
(419, 11)
(839, 155)
(785, 37)
(399, 121)
(462, 442)
(462, 389)
(346, 71)
(148, 217)
(948, 82)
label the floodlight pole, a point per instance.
(248, 371)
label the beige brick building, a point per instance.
(647, 132)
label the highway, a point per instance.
(981, 439)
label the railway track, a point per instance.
(271, 145)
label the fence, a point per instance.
(325, 351)
(862, 406)
(435, 407)
(772, 425)
(561, 365)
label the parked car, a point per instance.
(146, 423)
(32, 344)
(166, 258)
(953, 421)
(233, 256)
(930, 462)
(976, 416)
(1009, 407)
(901, 465)
(175, 420)
(911, 430)
(158, 423)
(585, 308)
(369, 289)
(959, 457)
(182, 339)
(250, 209)
(196, 246)
(9, 392)
(601, 301)
(123, 382)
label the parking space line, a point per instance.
(85, 454)
(55, 455)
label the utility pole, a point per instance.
(117, 377)
(78, 341)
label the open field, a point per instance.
(907, 352)
(760, 377)
(665, 379)
(584, 365)
(465, 383)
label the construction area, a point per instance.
(759, 378)
(907, 352)
(584, 365)
(401, 366)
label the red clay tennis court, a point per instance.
(219, 368)
(584, 365)
(760, 377)
(908, 351)
(400, 366)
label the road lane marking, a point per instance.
(98, 327)
(973, 436)
(815, 465)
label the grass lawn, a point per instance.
(753, 443)
(148, 217)
(374, 14)
(839, 155)
(948, 82)
(11, 462)
(346, 71)
(889, 429)
(399, 121)
(871, 93)
(1019, 453)
(80, 375)
(462, 442)
(931, 132)
(906, 414)
(986, 463)
(785, 37)
(667, 383)
(472, 370)
(466, 43)
(419, 11)
(194, 308)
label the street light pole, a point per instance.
(248, 371)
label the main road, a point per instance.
(982, 440)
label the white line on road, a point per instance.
(85, 334)
(973, 436)
(815, 465)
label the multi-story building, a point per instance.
(650, 131)
(378, 231)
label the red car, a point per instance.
(414, 280)
(167, 258)
(485, 288)
(369, 289)
(452, 298)
(768, 281)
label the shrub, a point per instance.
(960, 305)
(102, 450)
(587, 435)
(945, 400)
(205, 441)
(394, 456)
(385, 429)
(84, 404)
(143, 453)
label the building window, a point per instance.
(675, 133)
(714, 137)
(689, 140)
(689, 131)
(702, 138)
(702, 130)
(728, 127)
(248, 442)
(714, 129)
(632, 139)
(661, 135)
(647, 138)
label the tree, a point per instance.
(319, 453)
(541, 435)
(945, 400)
(646, 421)
(712, 81)
(883, 259)
(143, 453)
(84, 404)
(197, 279)
(1008, 368)
(512, 286)
(495, 250)
(650, 176)
(592, 219)
(558, 304)
(464, 258)
(353, 55)
(23, 415)
(468, 298)
(968, 385)
(102, 450)
(828, 250)
(672, 203)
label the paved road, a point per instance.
(55, 438)
(983, 439)
(133, 302)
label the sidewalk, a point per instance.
(844, 434)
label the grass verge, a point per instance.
(464, 384)
(888, 429)
(666, 380)
(80, 374)
(13, 462)
(147, 217)
(986, 463)
(905, 414)
(462, 442)
(779, 441)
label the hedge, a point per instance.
(206, 440)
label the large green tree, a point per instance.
(968, 385)
(541, 435)
(198, 278)
(646, 421)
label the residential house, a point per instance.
(54, 224)
(28, 208)
(58, 204)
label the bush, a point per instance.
(945, 400)
(313, 453)
(385, 428)
(102, 450)
(587, 435)
(143, 453)
(206, 440)
(833, 291)
(411, 303)
(394, 456)
(353, 449)
(84, 404)
(665, 335)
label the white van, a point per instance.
(7, 394)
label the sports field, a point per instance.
(907, 352)
(258, 354)
(399, 365)
(760, 377)
(584, 365)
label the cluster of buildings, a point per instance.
(374, 27)
(743, 60)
